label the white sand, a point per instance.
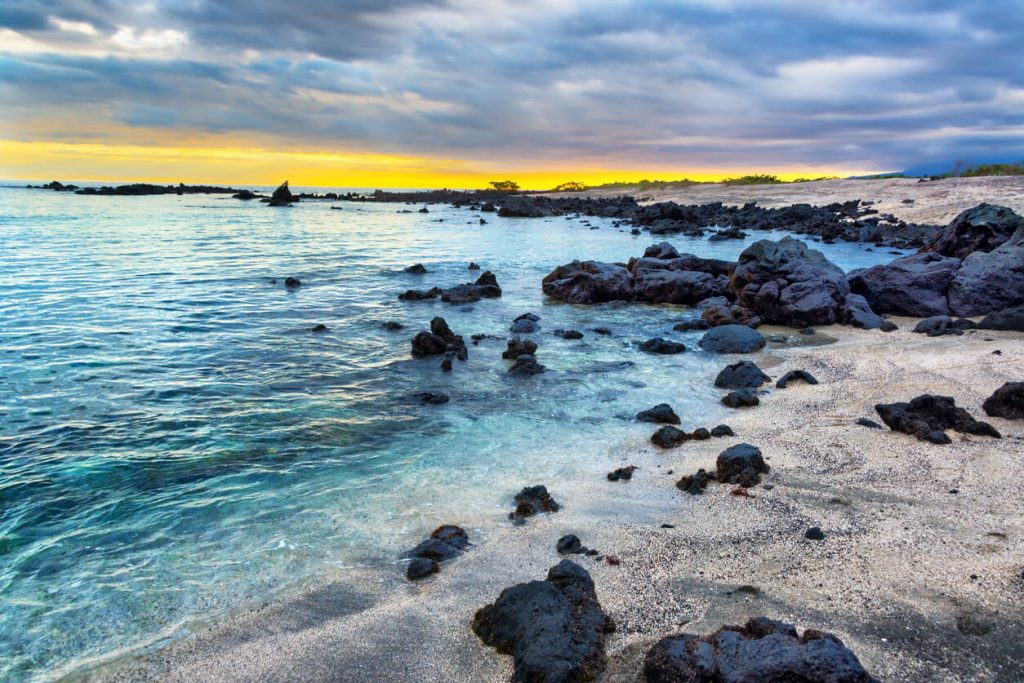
(934, 202)
(892, 578)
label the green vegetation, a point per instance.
(756, 179)
(991, 169)
(505, 185)
(571, 186)
(645, 184)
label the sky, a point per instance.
(396, 93)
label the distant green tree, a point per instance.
(505, 185)
(571, 186)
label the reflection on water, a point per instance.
(175, 440)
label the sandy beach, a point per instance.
(919, 573)
(932, 202)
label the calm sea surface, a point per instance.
(175, 441)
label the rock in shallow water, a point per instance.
(927, 416)
(733, 339)
(659, 414)
(554, 629)
(761, 651)
(533, 500)
(662, 346)
(446, 542)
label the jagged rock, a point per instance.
(741, 464)
(282, 196)
(741, 398)
(526, 365)
(416, 269)
(761, 651)
(786, 283)
(794, 375)
(669, 437)
(927, 416)
(533, 500)
(555, 629)
(428, 344)
(659, 414)
(1008, 319)
(990, 282)
(657, 281)
(662, 346)
(695, 484)
(939, 325)
(473, 266)
(983, 228)
(589, 282)
(1006, 402)
(913, 285)
(741, 375)
(519, 347)
(732, 339)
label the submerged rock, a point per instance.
(526, 365)
(1007, 402)
(733, 339)
(517, 346)
(927, 416)
(761, 651)
(554, 629)
(292, 282)
(659, 414)
(793, 376)
(431, 398)
(662, 346)
(569, 334)
(741, 375)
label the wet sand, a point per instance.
(923, 584)
(934, 202)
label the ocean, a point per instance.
(176, 442)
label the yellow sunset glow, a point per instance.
(256, 166)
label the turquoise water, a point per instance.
(174, 441)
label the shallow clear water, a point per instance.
(175, 441)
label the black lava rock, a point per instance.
(865, 422)
(741, 398)
(761, 651)
(431, 398)
(569, 334)
(421, 568)
(659, 414)
(1006, 402)
(722, 430)
(794, 375)
(554, 629)
(533, 500)
(292, 282)
(694, 484)
(669, 437)
(622, 473)
(662, 346)
(416, 269)
(526, 365)
(741, 375)
(733, 339)
(741, 464)
(569, 545)
(815, 534)
(927, 416)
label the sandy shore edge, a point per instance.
(921, 583)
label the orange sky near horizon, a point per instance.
(100, 162)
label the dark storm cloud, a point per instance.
(699, 83)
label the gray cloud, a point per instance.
(658, 83)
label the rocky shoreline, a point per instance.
(878, 544)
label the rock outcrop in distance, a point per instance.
(975, 266)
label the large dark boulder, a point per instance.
(554, 629)
(741, 375)
(927, 416)
(981, 229)
(761, 651)
(786, 283)
(589, 282)
(1008, 319)
(913, 285)
(667, 286)
(733, 339)
(1006, 402)
(428, 344)
(989, 282)
(939, 325)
